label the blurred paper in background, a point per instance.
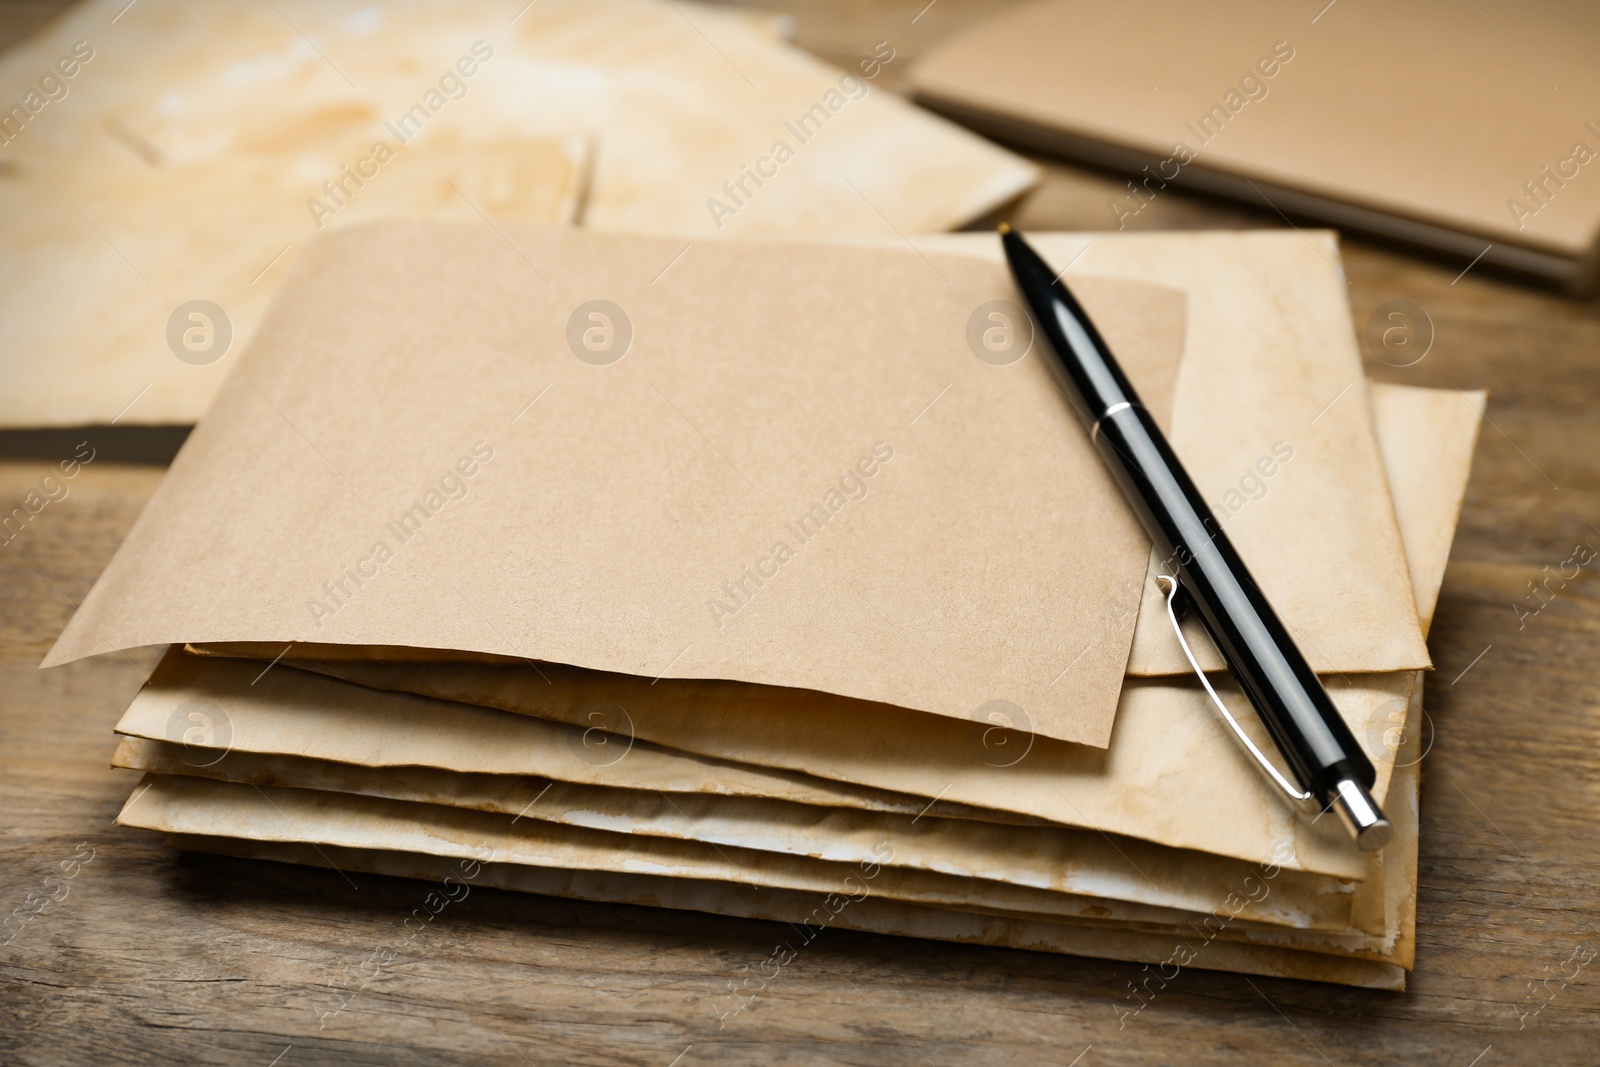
(197, 148)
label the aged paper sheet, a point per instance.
(811, 479)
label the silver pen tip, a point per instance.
(1361, 814)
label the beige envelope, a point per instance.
(192, 147)
(211, 707)
(784, 465)
(1229, 907)
(195, 806)
(1429, 486)
(811, 914)
(1077, 864)
(1146, 935)
(1331, 112)
(202, 806)
(1226, 938)
(1427, 442)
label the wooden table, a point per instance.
(157, 956)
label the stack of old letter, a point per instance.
(784, 584)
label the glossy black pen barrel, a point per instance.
(1269, 667)
(1081, 357)
(1286, 694)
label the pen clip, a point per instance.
(1169, 585)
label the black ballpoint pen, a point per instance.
(1315, 741)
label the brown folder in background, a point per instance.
(1470, 129)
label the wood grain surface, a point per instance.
(145, 955)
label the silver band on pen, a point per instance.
(1110, 411)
